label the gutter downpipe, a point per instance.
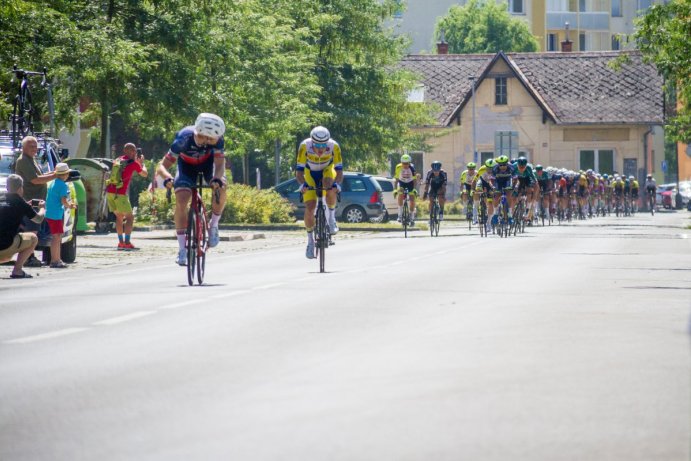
(645, 153)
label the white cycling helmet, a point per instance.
(320, 134)
(209, 125)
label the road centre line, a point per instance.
(44, 336)
(125, 318)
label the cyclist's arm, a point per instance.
(219, 167)
(164, 165)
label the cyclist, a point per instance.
(196, 149)
(435, 185)
(483, 182)
(618, 189)
(505, 178)
(650, 188)
(544, 180)
(634, 192)
(406, 179)
(528, 182)
(467, 179)
(319, 161)
(582, 193)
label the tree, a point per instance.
(484, 27)
(664, 38)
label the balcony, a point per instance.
(594, 20)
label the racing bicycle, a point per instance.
(434, 212)
(23, 112)
(197, 233)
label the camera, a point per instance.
(35, 203)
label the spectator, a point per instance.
(12, 210)
(118, 200)
(57, 200)
(34, 184)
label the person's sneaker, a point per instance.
(128, 246)
(441, 216)
(121, 246)
(333, 227)
(182, 257)
(399, 218)
(213, 237)
(310, 250)
(33, 261)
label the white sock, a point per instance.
(400, 211)
(214, 220)
(182, 240)
(310, 237)
(332, 214)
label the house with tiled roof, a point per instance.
(570, 110)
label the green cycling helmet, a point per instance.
(490, 163)
(503, 160)
(470, 166)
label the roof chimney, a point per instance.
(442, 46)
(567, 45)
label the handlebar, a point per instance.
(21, 73)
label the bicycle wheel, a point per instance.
(432, 218)
(482, 224)
(191, 246)
(469, 214)
(405, 218)
(437, 222)
(323, 240)
(202, 243)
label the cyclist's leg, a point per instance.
(328, 177)
(441, 194)
(309, 198)
(185, 178)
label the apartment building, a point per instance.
(593, 25)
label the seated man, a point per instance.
(12, 210)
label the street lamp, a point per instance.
(472, 83)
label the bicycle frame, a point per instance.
(197, 233)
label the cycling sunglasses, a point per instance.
(320, 145)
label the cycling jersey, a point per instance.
(504, 176)
(651, 184)
(467, 178)
(404, 175)
(185, 149)
(634, 185)
(543, 179)
(309, 159)
(582, 181)
(527, 175)
(436, 181)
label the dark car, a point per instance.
(361, 198)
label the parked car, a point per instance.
(361, 198)
(49, 154)
(666, 194)
(390, 202)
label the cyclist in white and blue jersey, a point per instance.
(197, 148)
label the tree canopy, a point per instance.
(271, 68)
(484, 27)
(664, 38)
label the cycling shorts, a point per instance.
(582, 191)
(312, 178)
(409, 186)
(433, 191)
(525, 182)
(543, 185)
(634, 193)
(186, 177)
(503, 183)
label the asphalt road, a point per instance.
(567, 343)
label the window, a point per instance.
(616, 8)
(551, 42)
(601, 161)
(484, 156)
(616, 43)
(581, 42)
(500, 97)
(516, 6)
(582, 6)
(354, 185)
(386, 186)
(506, 143)
(643, 6)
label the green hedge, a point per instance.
(455, 207)
(244, 204)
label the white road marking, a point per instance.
(44, 336)
(125, 318)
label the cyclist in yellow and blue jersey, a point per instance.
(406, 178)
(319, 162)
(467, 180)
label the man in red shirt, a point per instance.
(118, 200)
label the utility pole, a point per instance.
(472, 83)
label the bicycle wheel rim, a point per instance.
(190, 245)
(202, 234)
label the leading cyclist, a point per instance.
(319, 160)
(196, 149)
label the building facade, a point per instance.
(567, 110)
(593, 25)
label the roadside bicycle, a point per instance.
(23, 112)
(197, 233)
(434, 212)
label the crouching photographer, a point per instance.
(12, 210)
